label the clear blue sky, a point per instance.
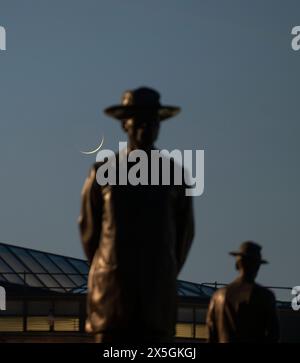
(228, 64)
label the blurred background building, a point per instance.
(46, 300)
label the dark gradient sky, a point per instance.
(228, 64)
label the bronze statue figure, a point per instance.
(136, 237)
(244, 311)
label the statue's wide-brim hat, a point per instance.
(250, 250)
(141, 100)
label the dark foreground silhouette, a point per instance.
(136, 238)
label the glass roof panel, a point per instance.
(185, 288)
(64, 281)
(77, 279)
(59, 289)
(193, 288)
(11, 260)
(44, 260)
(48, 280)
(32, 264)
(81, 266)
(4, 266)
(2, 278)
(179, 292)
(63, 264)
(68, 269)
(31, 280)
(80, 290)
(13, 278)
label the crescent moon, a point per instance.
(94, 151)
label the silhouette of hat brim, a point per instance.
(122, 112)
(237, 253)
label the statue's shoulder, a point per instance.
(220, 294)
(264, 292)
